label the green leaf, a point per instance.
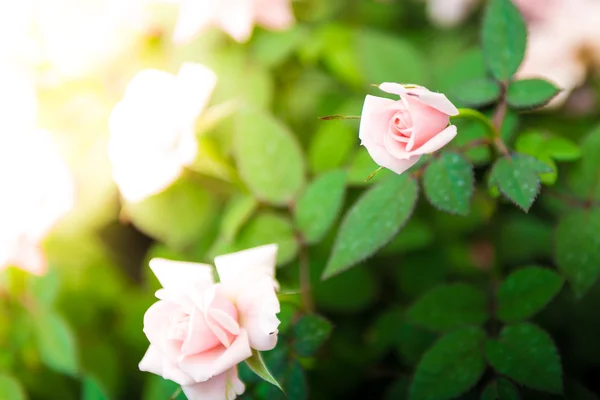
(584, 179)
(451, 367)
(178, 216)
(504, 37)
(269, 227)
(547, 145)
(56, 343)
(309, 334)
(92, 390)
(45, 288)
(448, 183)
(11, 389)
(388, 58)
(450, 306)
(319, 206)
(518, 178)
(465, 67)
(294, 381)
(500, 389)
(526, 292)
(527, 355)
(577, 248)
(530, 93)
(478, 92)
(472, 131)
(272, 48)
(331, 146)
(158, 388)
(412, 342)
(372, 222)
(258, 366)
(236, 214)
(268, 156)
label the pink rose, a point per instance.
(152, 129)
(397, 133)
(235, 17)
(200, 330)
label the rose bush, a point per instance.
(397, 133)
(200, 330)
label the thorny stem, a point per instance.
(494, 127)
(304, 269)
(469, 113)
(498, 121)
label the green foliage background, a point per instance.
(435, 289)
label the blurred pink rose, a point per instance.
(563, 42)
(152, 130)
(200, 330)
(397, 133)
(235, 17)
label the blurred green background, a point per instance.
(76, 332)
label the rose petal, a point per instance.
(200, 337)
(30, 258)
(239, 269)
(156, 320)
(225, 320)
(436, 100)
(194, 86)
(155, 362)
(236, 17)
(383, 158)
(224, 386)
(258, 307)
(275, 14)
(180, 275)
(393, 88)
(194, 17)
(375, 118)
(427, 123)
(222, 316)
(396, 148)
(437, 142)
(204, 366)
(152, 361)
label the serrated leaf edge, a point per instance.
(326, 275)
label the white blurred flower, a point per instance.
(235, 17)
(70, 37)
(153, 128)
(36, 185)
(448, 13)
